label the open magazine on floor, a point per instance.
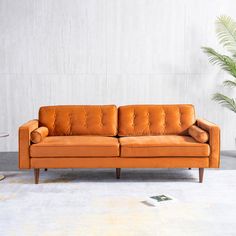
(161, 199)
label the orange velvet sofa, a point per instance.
(132, 136)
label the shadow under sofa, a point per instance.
(132, 136)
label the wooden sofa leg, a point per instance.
(46, 169)
(118, 173)
(36, 176)
(201, 172)
(189, 168)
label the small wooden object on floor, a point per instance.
(36, 175)
(201, 172)
(118, 173)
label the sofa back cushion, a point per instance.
(79, 120)
(136, 120)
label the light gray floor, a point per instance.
(94, 202)
(9, 160)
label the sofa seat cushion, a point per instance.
(80, 146)
(163, 145)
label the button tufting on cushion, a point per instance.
(79, 120)
(155, 119)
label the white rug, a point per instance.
(93, 202)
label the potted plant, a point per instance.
(226, 33)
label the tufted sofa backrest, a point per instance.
(136, 120)
(79, 120)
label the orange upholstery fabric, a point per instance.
(39, 134)
(24, 143)
(163, 145)
(67, 146)
(79, 120)
(151, 136)
(198, 134)
(139, 120)
(119, 162)
(214, 141)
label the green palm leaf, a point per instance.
(225, 101)
(225, 62)
(226, 32)
(230, 83)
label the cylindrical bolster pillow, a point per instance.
(198, 134)
(39, 134)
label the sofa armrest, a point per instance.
(214, 141)
(24, 143)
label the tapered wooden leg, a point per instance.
(117, 173)
(46, 169)
(36, 176)
(201, 172)
(189, 168)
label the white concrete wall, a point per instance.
(108, 51)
